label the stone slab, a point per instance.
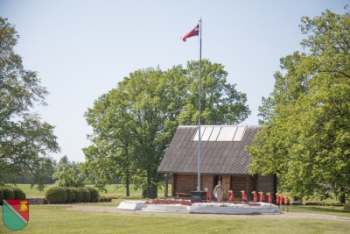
(132, 205)
(264, 208)
(166, 208)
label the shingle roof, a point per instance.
(217, 157)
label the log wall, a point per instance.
(185, 183)
(266, 184)
(242, 182)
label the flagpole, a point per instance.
(199, 106)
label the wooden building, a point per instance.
(223, 157)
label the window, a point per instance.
(221, 133)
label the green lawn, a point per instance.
(56, 219)
(329, 210)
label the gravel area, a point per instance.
(289, 215)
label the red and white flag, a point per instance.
(192, 33)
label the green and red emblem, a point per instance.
(15, 213)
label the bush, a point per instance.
(19, 194)
(78, 195)
(86, 194)
(70, 194)
(8, 193)
(347, 206)
(93, 194)
(56, 195)
(104, 199)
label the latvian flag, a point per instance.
(193, 32)
(15, 213)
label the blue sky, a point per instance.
(81, 49)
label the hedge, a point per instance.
(93, 194)
(86, 194)
(8, 193)
(19, 194)
(78, 195)
(70, 194)
(56, 195)
(347, 206)
(104, 199)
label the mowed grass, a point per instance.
(57, 219)
(118, 189)
(329, 210)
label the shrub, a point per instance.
(93, 194)
(70, 194)
(78, 195)
(86, 194)
(8, 193)
(347, 206)
(105, 198)
(19, 194)
(56, 195)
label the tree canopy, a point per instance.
(25, 140)
(305, 139)
(134, 123)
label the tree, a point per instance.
(132, 128)
(68, 173)
(221, 103)
(25, 141)
(306, 127)
(133, 124)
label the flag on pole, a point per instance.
(193, 32)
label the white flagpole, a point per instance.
(199, 106)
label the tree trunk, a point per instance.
(151, 190)
(127, 181)
(148, 184)
(342, 195)
(127, 184)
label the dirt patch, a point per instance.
(288, 215)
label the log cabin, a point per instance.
(223, 158)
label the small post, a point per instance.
(166, 184)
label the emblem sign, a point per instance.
(15, 213)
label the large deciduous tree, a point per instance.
(305, 138)
(25, 140)
(134, 123)
(221, 103)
